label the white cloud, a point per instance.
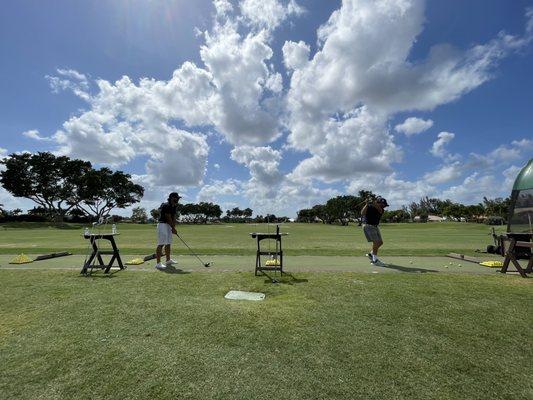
(295, 55)
(242, 110)
(473, 189)
(353, 143)
(263, 163)
(438, 149)
(523, 145)
(268, 191)
(222, 7)
(412, 126)
(34, 134)
(73, 74)
(503, 154)
(445, 174)
(510, 175)
(182, 157)
(69, 79)
(216, 189)
(268, 14)
(398, 192)
(529, 23)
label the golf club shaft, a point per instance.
(191, 250)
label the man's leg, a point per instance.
(167, 252)
(375, 246)
(158, 253)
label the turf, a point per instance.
(233, 239)
(322, 336)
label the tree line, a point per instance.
(203, 213)
(345, 209)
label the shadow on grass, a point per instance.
(286, 278)
(401, 268)
(99, 274)
(172, 270)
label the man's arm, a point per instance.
(171, 220)
(363, 211)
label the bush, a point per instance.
(22, 218)
(495, 220)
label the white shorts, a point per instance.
(164, 234)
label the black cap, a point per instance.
(382, 201)
(174, 195)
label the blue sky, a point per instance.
(275, 105)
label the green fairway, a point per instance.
(233, 239)
(324, 336)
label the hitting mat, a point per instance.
(239, 295)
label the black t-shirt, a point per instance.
(373, 216)
(166, 208)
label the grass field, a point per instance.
(234, 239)
(351, 334)
(326, 336)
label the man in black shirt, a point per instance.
(166, 227)
(371, 214)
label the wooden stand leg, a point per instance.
(508, 256)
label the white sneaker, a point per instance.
(159, 266)
(378, 263)
(170, 262)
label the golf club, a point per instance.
(207, 265)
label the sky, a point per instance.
(276, 105)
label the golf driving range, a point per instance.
(334, 326)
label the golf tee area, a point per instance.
(424, 326)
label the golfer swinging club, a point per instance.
(166, 227)
(371, 214)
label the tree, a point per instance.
(455, 210)
(58, 184)
(139, 215)
(213, 211)
(305, 215)
(155, 213)
(247, 213)
(497, 207)
(319, 211)
(434, 206)
(51, 182)
(235, 214)
(102, 190)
